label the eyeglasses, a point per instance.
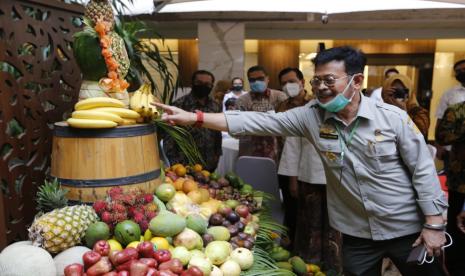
(327, 80)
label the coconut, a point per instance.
(69, 256)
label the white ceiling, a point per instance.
(302, 6)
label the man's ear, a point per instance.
(358, 81)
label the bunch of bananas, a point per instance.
(101, 112)
(140, 102)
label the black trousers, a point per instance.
(455, 254)
(364, 257)
(290, 206)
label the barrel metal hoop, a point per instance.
(118, 132)
(76, 183)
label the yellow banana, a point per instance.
(127, 122)
(134, 103)
(96, 115)
(87, 123)
(143, 103)
(98, 102)
(122, 112)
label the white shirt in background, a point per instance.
(300, 158)
(376, 95)
(452, 96)
(230, 95)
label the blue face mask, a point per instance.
(339, 102)
(258, 86)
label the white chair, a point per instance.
(261, 173)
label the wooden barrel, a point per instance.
(88, 162)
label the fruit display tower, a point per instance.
(101, 54)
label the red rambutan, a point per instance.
(148, 198)
(106, 217)
(115, 191)
(99, 206)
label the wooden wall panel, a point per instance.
(276, 55)
(371, 46)
(39, 85)
(188, 58)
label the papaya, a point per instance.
(167, 224)
(284, 265)
(280, 254)
(196, 223)
(298, 265)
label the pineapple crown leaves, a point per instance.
(51, 196)
(88, 29)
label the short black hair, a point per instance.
(354, 59)
(202, 72)
(458, 63)
(391, 70)
(236, 78)
(287, 70)
(256, 68)
(230, 102)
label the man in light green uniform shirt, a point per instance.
(382, 188)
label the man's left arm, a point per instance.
(430, 198)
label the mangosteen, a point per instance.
(199, 177)
(248, 244)
(235, 239)
(226, 223)
(250, 239)
(216, 219)
(223, 182)
(233, 231)
(207, 238)
(242, 235)
(240, 226)
(215, 185)
(234, 246)
(233, 217)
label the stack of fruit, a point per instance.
(141, 102)
(119, 206)
(101, 112)
(143, 260)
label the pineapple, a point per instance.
(50, 196)
(118, 49)
(61, 228)
(100, 10)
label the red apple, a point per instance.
(224, 210)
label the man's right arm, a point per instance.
(288, 123)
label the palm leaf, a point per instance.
(184, 140)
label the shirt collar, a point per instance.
(364, 110)
(259, 95)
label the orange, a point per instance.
(180, 171)
(189, 186)
(205, 194)
(178, 184)
(195, 196)
(160, 242)
(205, 173)
(198, 168)
(168, 180)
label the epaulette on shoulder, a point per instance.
(390, 107)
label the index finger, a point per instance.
(162, 106)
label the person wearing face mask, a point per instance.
(382, 189)
(260, 99)
(449, 138)
(398, 91)
(305, 195)
(208, 141)
(237, 90)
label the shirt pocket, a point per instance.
(381, 156)
(331, 153)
